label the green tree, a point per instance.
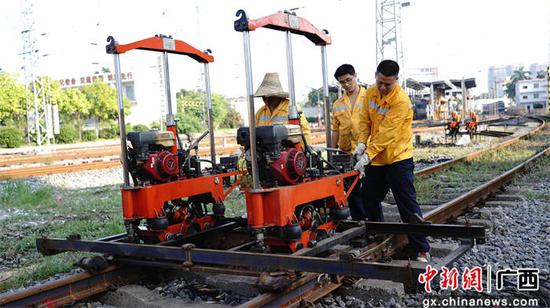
(192, 113)
(541, 75)
(232, 119)
(103, 102)
(12, 100)
(74, 104)
(520, 74)
(517, 75)
(316, 95)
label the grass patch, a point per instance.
(235, 204)
(52, 212)
(19, 194)
(46, 267)
(464, 176)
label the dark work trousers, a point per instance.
(355, 201)
(399, 177)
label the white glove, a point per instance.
(361, 163)
(359, 150)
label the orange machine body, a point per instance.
(147, 202)
(276, 207)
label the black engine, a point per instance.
(153, 157)
(280, 154)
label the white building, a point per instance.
(499, 76)
(532, 95)
(426, 74)
(143, 86)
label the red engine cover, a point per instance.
(290, 167)
(162, 166)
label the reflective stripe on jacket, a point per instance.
(386, 126)
(345, 121)
(264, 117)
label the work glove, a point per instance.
(361, 163)
(359, 150)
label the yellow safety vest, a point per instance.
(264, 117)
(345, 120)
(386, 126)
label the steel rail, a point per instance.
(71, 288)
(318, 137)
(25, 172)
(224, 148)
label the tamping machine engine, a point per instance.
(296, 197)
(170, 191)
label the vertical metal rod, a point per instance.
(28, 115)
(251, 117)
(210, 117)
(170, 116)
(432, 100)
(326, 97)
(292, 110)
(36, 116)
(464, 99)
(121, 123)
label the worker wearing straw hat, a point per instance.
(275, 110)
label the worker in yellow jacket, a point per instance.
(386, 130)
(275, 110)
(345, 127)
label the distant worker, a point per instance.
(454, 126)
(345, 127)
(386, 129)
(455, 117)
(474, 117)
(471, 124)
(275, 110)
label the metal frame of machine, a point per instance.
(168, 176)
(299, 215)
(190, 257)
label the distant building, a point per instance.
(532, 95)
(498, 76)
(143, 87)
(493, 107)
(426, 74)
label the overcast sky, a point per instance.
(461, 38)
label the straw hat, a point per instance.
(271, 86)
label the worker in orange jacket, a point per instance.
(346, 113)
(386, 135)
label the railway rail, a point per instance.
(18, 166)
(307, 288)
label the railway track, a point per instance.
(100, 157)
(307, 288)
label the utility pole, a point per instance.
(36, 99)
(464, 99)
(389, 43)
